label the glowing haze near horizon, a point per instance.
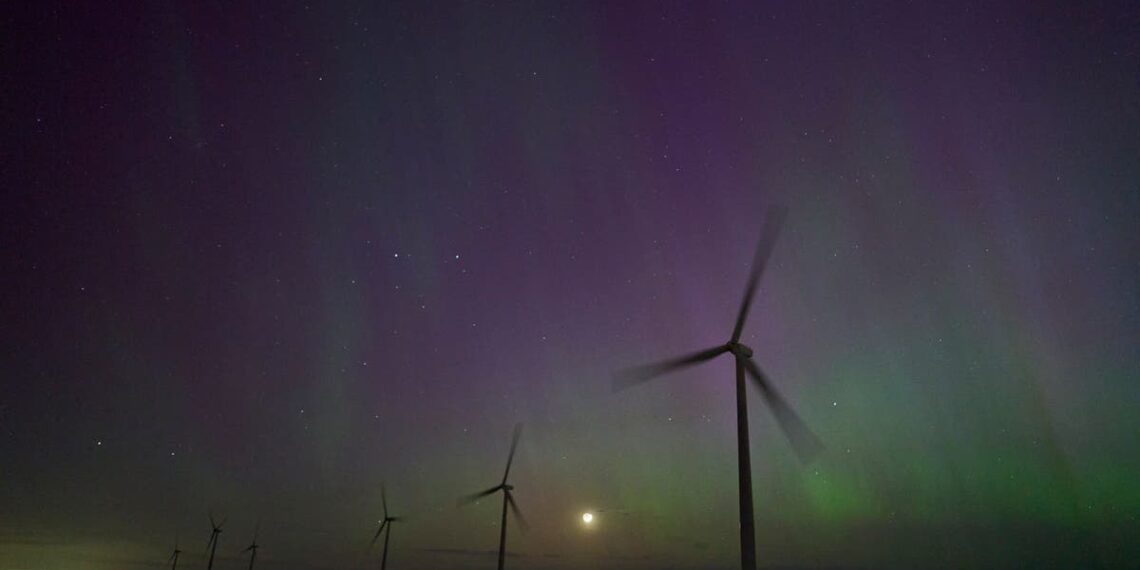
(259, 260)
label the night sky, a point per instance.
(259, 258)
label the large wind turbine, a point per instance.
(804, 442)
(508, 500)
(213, 544)
(385, 524)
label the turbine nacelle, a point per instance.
(739, 349)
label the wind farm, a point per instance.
(805, 445)
(770, 286)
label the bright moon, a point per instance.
(587, 518)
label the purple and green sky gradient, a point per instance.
(258, 259)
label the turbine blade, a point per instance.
(379, 531)
(511, 455)
(806, 445)
(633, 376)
(384, 500)
(773, 222)
(518, 514)
(468, 499)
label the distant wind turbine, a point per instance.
(804, 442)
(508, 500)
(212, 546)
(173, 560)
(385, 525)
(253, 546)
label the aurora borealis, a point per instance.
(260, 259)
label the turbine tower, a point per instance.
(805, 444)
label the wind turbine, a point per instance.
(805, 444)
(173, 560)
(253, 546)
(213, 544)
(508, 500)
(385, 524)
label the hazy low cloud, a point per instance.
(469, 552)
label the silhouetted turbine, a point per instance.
(385, 525)
(212, 546)
(173, 560)
(508, 500)
(253, 546)
(804, 442)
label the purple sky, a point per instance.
(258, 259)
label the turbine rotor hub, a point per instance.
(739, 349)
(508, 487)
